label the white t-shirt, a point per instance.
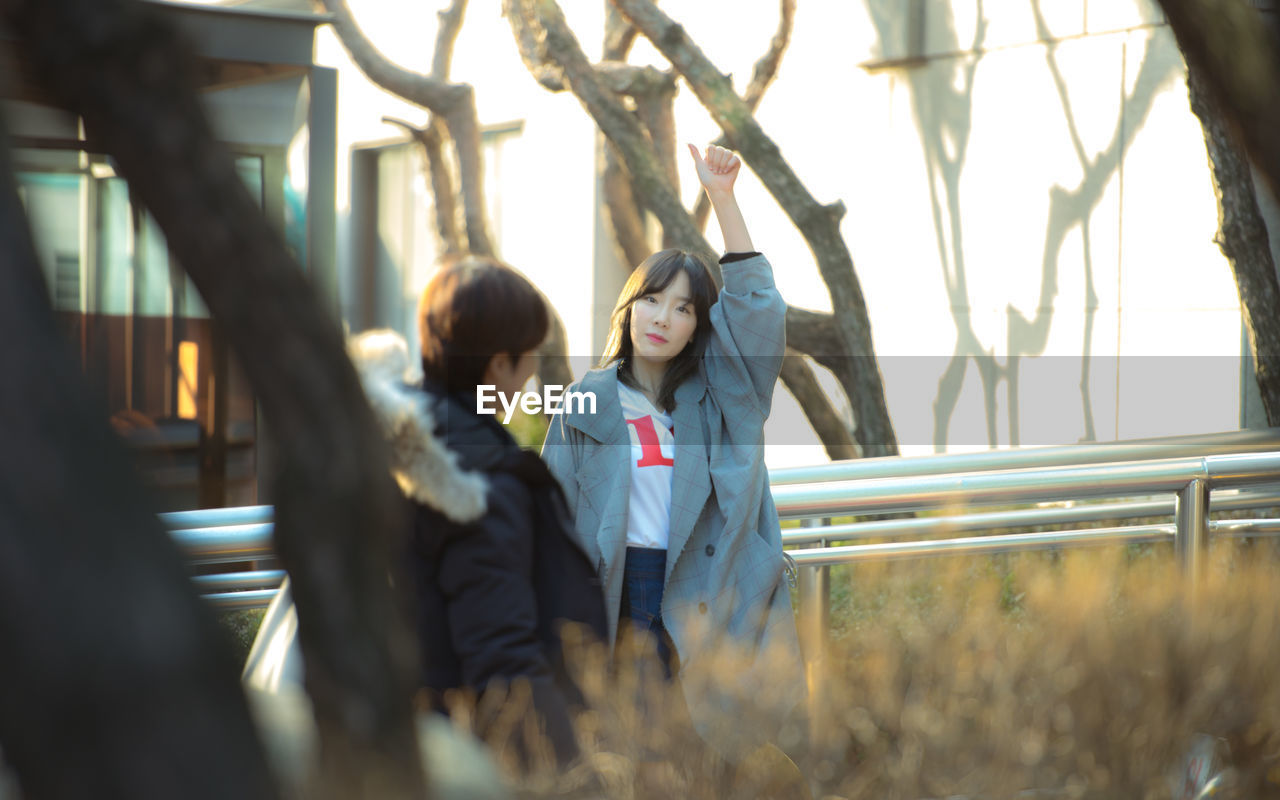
(653, 453)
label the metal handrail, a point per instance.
(1189, 479)
(226, 535)
(240, 581)
(1041, 514)
(222, 545)
(215, 536)
(1208, 444)
(980, 545)
(217, 517)
(913, 493)
(1021, 542)
(1235, 528)
(241, 601)
(884, 495)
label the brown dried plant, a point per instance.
(1081, 674)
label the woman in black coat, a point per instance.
(495, 563)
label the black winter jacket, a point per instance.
(496, 567)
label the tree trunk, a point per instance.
(549, 47)
(625, 219)
(115, 680)
(620, 204)
(831, 430)
(618, 124)
(436, 170)
(1242, 236)
(456, 105)
(338, 514)
(859, 372)
(657, 114)
(1239, 62)
(765, 70)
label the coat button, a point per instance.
(702, 608)
(711, 549)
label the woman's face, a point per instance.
(662, 323)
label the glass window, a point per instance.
(143, 334)
(393, 228)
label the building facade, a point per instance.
(144, 338)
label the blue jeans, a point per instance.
(643, 576)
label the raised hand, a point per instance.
(717, 170)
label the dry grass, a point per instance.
(1086, 674)
(1090, 676)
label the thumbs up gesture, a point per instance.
(717, 170)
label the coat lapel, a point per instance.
(605, 477)
(605, 424)
(691, 484)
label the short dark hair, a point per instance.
(653, 275)
(472, 309)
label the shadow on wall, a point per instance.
(942, 95)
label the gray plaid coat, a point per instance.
(725, 565)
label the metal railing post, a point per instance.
(814, 590)
(1191, 516)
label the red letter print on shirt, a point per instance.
(650, 450)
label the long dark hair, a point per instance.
(653, 275)
(471, 310)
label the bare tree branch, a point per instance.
(653, 91)
(640, 82)
(766, 69)
(812, 332)
(617, 123)
(532, 46)
(431, 139)
(623, 211)
(553, 363)
(338, 513)
(448, 25)
(433, 136)
(819, 224)
(544, 19)
(619, 36)
(1239, 61)
(657, 114)
(434, 94)
(1242, 236)
(621, 206)
(832, 432)
(630, 79)
(454, 102)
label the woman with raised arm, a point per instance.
(667, 479)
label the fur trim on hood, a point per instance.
(427, 471)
